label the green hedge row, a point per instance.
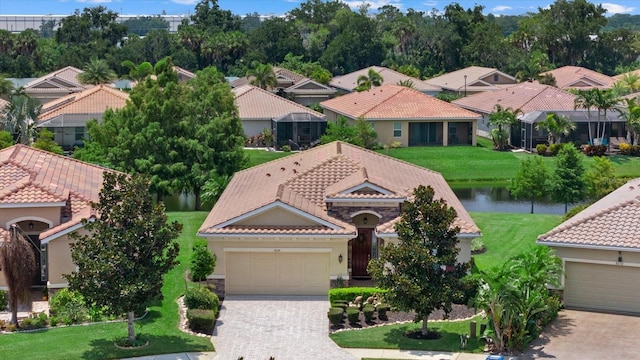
(201, 320)
(349, 294)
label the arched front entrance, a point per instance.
(31, 229)
(364, 246)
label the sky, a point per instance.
(280, 7)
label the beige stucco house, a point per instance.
(67, 116)
(600, 252)
(348, 82)
(472, 80)
(47, 196)
(406, 115)
(296, 224)
(55, 85)
(576, 77)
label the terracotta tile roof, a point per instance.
(568, 77)
(621, 76)
(349, 81)
(32, 176)
(65, 78)
(388, 102)
(302, 180)
(256, 104)
(90, 101)
(526, 96)
(455, 80)
(613, 221)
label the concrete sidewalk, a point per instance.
(358, 353)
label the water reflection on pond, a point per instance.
(498, 199)
(182, 202)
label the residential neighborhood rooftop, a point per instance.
(576, 77)
(257, 104)
(471, 79)
(90, 101)
(349, 81)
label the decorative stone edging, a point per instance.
(131, 347)
(481, 313)
(184, 323)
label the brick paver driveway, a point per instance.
(579, 335)
(292, 327)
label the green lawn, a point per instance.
(160, 326)
(470, 163)
(392, 337)
(506, 235)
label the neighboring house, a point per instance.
(295, 225)
(398, 113)
(472, 79)
(67, 116)
(294, 86)
(600, 252)
(128, 84)
(348, 82)
(622, 76)
(47, 195)
(576, 77)
(534, 102)
(261, 109)
(55, 85)
(184, 75)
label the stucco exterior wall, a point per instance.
(501, 79)
(9, 216)
(255, 127)
(464, 244)
(59, 260)
(276, 217)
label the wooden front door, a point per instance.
(361, 253)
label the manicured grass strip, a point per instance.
(160, 326)
(392, 337)
(260, 156)
(506, 235)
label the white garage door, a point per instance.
(602, 287)
(277, 273)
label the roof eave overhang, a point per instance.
(398, 200)
(274, 235)
(589, 247)
(32, 205)
(61, 233)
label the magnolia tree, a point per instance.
(421, 273)
(127, 250)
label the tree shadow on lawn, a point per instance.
(448, 341)
(105, 348)
(619, 159)
(560, 326)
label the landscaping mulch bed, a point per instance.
(458, 312)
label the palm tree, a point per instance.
(502, 118)
(406, 83)
(20, 116)
(366, 82)
(6, 86)
(96, 72)
(585, 99)
(631, 82)
(556, 126)
(605, 100)
(19, 266)
(632, 115)
(138, 72)
(263, 76)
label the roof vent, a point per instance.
(296, 163)
(282, 168)
(268, 174)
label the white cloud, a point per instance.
(94, 1)
(501, 8)
(185, 2)
(617, 9)
(375, 4)
(430, 3)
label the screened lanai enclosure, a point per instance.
(301, 129)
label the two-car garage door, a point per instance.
(277, 273)
(602, 287)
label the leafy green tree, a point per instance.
(142, 25)
(127, 250)
(6, 139)
(556, 126)
(273, 40)
(567, 182)
(97, 72)
(632, 115)
(203, 261)
(44, 141)
(341, 130)
(421, 273)
(18, 264)
(6, 86)
(600, 179)
(531, 180)
(19, 117)
(367, 136)
(138, 72)
(263, 76)
(213, 188)
(313, 70)
(366, 82)
(502, 119)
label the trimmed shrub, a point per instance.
(335, 315)
(286, 148)
(349, 294)
(574, 210)
(69, 305)
(4, 299)
(542, 149)
(54, 321)
(353, 315)
(595, 150)
(341, 305)
(554, 149)
(201, 298)
(635, 150)
(625, 149)
(203, 261)
(201, 320)
(382, 311)
(368, 311)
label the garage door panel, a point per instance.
(602, 287)
(277, 273)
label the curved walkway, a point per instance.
(285, 327)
